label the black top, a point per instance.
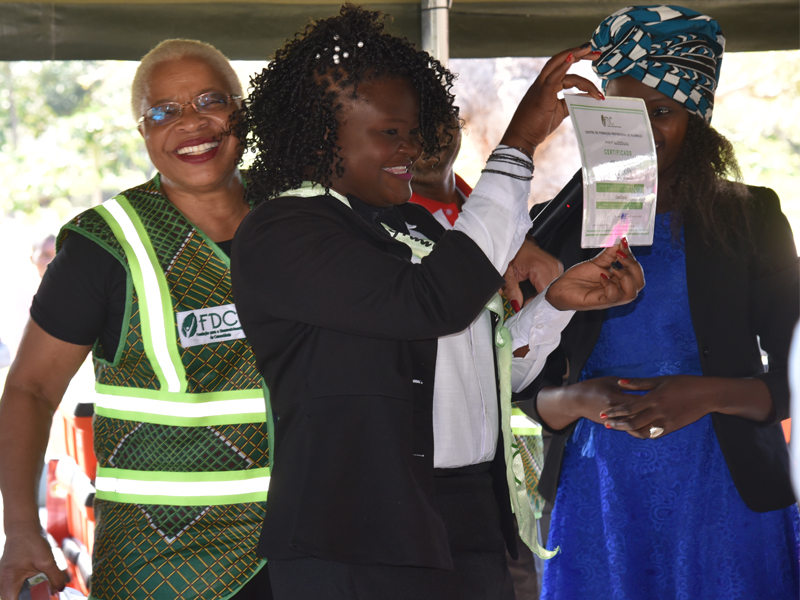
(82, 295)
(345, 328)
(377, 215)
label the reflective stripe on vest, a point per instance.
(522, 424)
(155, 304)
(183, 410)
(171, 404)
(182, 489)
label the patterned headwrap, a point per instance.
(672, 49)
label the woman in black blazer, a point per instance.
(343, 295)
(668, 466)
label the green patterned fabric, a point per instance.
(133, 543)
(530, 447)
(146, 551)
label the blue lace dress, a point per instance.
(660, 519)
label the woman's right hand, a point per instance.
(540, 111)
(27, 554)
(560, 406)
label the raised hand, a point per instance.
(611, 278)
(540, 111)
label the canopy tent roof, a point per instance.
(252, 30)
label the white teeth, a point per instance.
(396, 170)
(200, 149)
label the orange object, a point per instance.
(56, 504)
(787, 429)
(79, 498)
(79, 564)
(81, 522)
(70, 495)
(79, 441)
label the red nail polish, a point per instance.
(621, 254)
(602, 96)
(595, 52)
(515, 306)
(603, 275)
(625, 243)
(624, 381)
(608, 425)
(603, 416)
(569, 57)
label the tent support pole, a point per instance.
(436, 29)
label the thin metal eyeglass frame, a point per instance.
(144, 118)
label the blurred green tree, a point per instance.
(67, 136)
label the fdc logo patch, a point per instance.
(209, 325)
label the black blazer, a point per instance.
(732, 298)
(345, 331)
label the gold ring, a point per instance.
(655, 432)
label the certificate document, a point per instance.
(620, 172)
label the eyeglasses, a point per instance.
(204, 103)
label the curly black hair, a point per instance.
(293, 104)
(707, 187)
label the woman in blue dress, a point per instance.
(668, 464)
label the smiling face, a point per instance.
(378, 142)
(668, 118)
(192, 153)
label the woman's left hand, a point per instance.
(674, 401)
(671, 402)
(611, 278)
(541, 110)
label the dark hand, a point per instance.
(671, 402)
(595, 284)
(26, 555)
(674, 401)
(532, 264)
(591, 399)
(540, 111)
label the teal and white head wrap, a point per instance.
(674, 50)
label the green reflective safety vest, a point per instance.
(180, 429)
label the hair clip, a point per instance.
(337, 58)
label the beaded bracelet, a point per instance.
(498, 156)
(510, 159)
(525, 152)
